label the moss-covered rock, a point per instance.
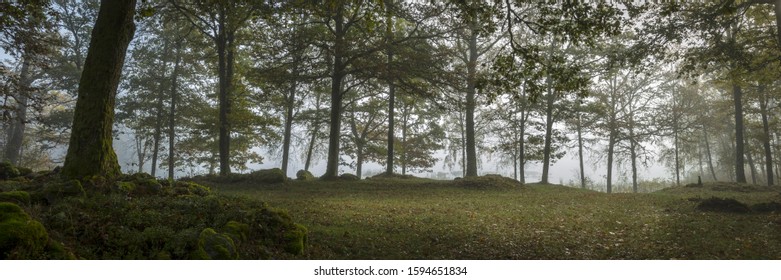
(190, 188)
(20, 237)
(268, 176)
(296, 239)
(349, 177)
(304, 175)
(8, 171)
(216, 246)
(18, 197)
(237, 231)
(56, 190)
(24, 171)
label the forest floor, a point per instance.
(427, 219)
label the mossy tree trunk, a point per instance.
(90, 151)
(13, 147)
(740, 172)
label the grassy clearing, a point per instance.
(424, 219)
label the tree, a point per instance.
(220, 21)
(90, 151)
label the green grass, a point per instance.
(424, 219)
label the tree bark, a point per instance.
(580, 150)
(391, 89)
(548, 133)
(337, 75)
(740, 173)
(708, 153)
(610, 147)
(15, 140)
(471, 149)
(766, 136)
(90, 151)
(751, 165)
(172, 111)
(633, 153)
(289, 104)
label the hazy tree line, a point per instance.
(218, 85)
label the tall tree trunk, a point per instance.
(289, 106)
(633, 153)
(313, 138)
(471, 149)
(708, 153)
(404, 129)
(13, 146)
(580, 151)
(677, 159)
(90, 151)
(766, 136)
(740, 173)
(610, 147)
(391, 88)
(522, 147)
(751, 164)
(546, 151)
(337, 76)
(172, 111)
(225, 60)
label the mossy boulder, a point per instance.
(8, 171)
(216, 246)
(268, 176)
(296, 239)
(20, 237)
(237, 231)
(190, 188)
(281, 228)
(24, 171)
(349, 177)
(57, 190)
(304, 175)
(18, 197)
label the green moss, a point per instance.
(216, 246)
(268, 176)
(237, 231)
(304, 175)
(20, 237)
(57, 190)
(56, 251)
(296, 239)
(19, 197)
(190, 188)
(8, 171)
(124, 187)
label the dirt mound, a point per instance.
(392, 176)
(715, 204)
(722, 187)
(488, 182)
